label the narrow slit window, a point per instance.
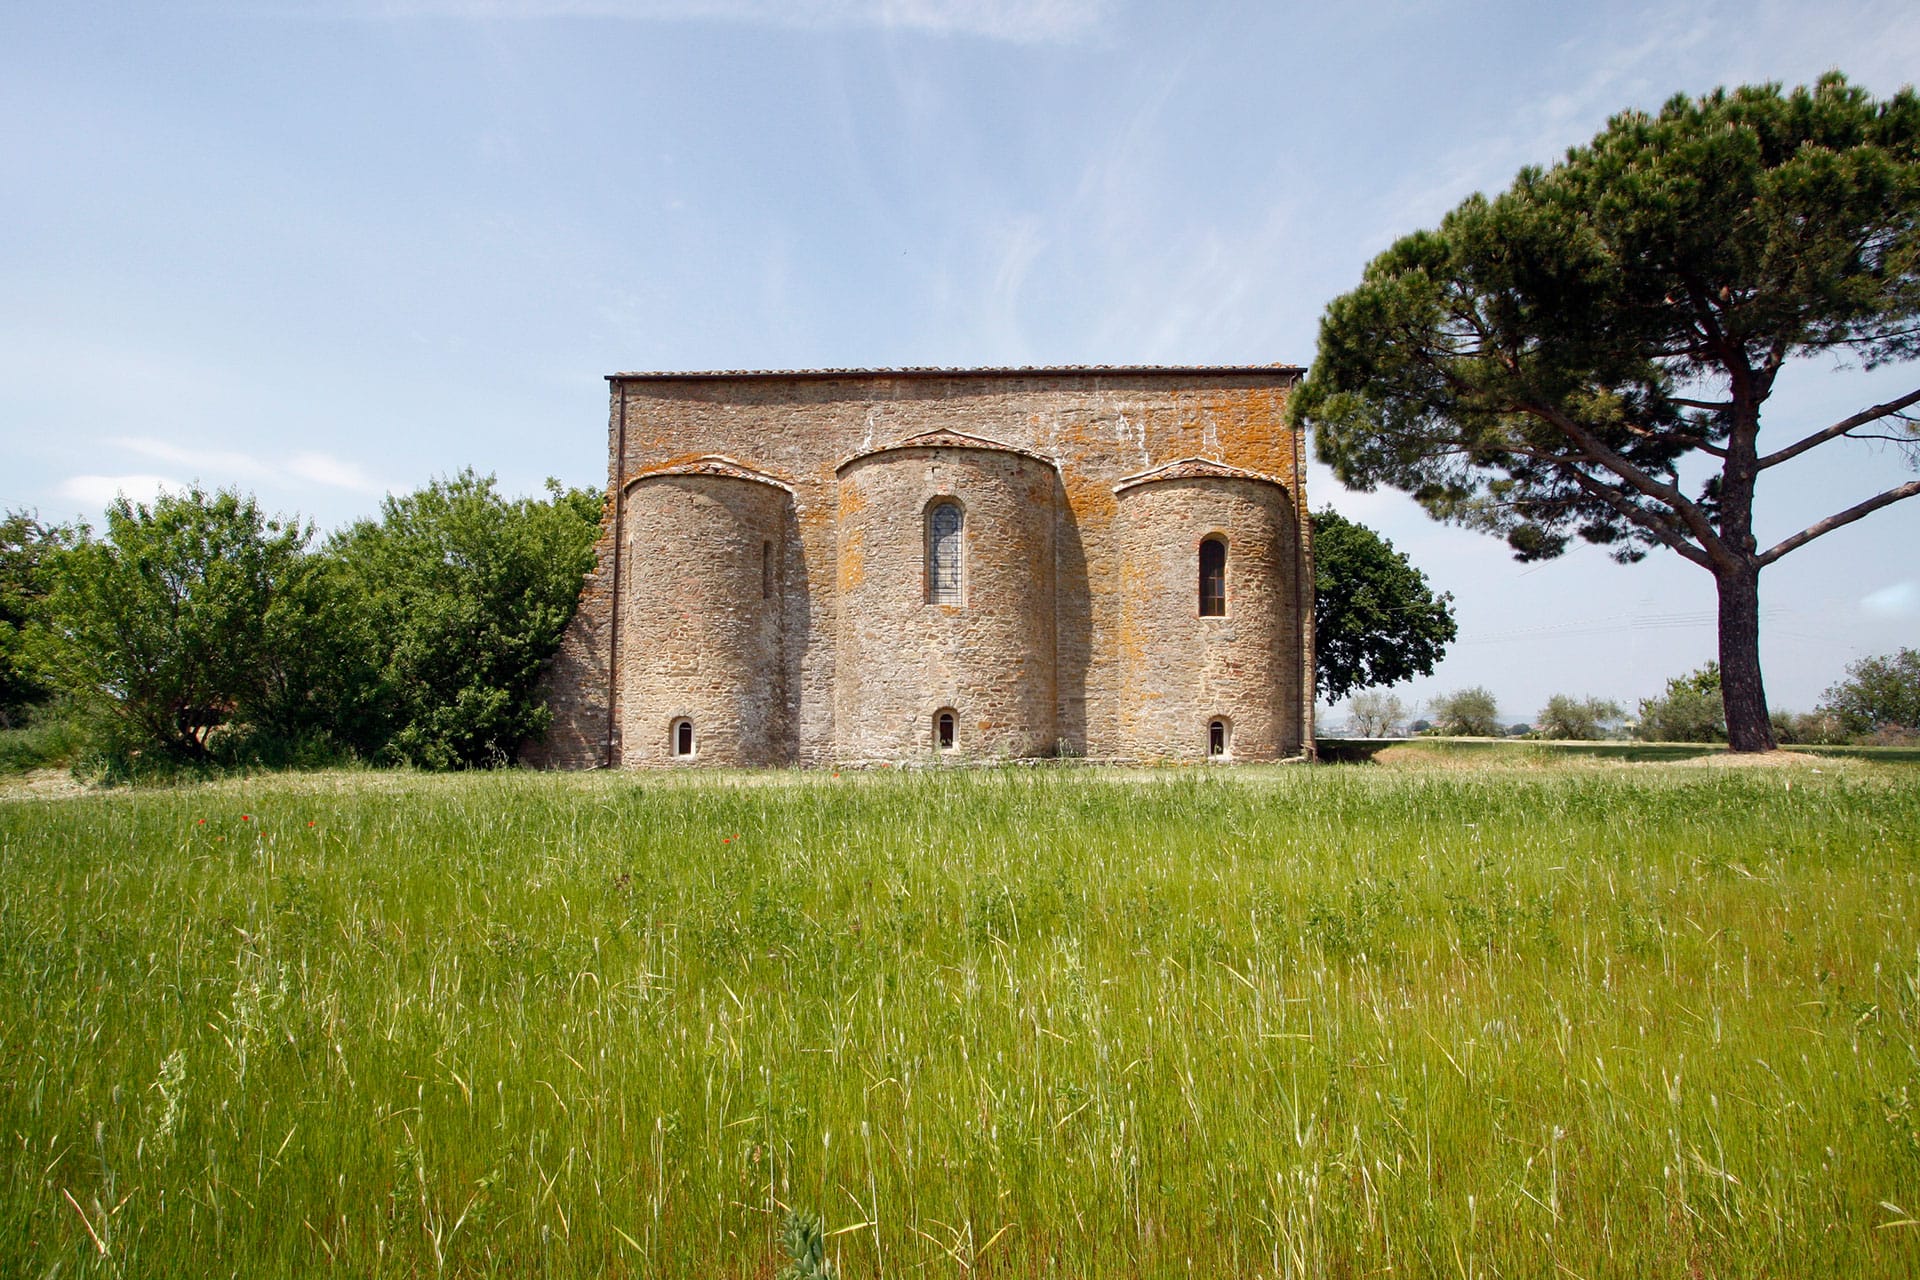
(943, 731)
(1213, 578)
(766, 571)
(1217, 738)
(683, 737)
(943, 553)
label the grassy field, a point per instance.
(1450, 1019)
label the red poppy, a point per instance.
(309, 824)
(201, 822)
(246, 817)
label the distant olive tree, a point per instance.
(1578, 718)
(1469, 713)
(1376, 713)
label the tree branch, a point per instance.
(1832, 522)
(1690, 514)
(1640, 516)
(1838, 429)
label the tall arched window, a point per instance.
(943, 730)
(943, 553)
(682, 741)
(1213, 578)
(1218, 738)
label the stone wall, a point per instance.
(1096, 426)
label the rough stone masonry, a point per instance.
(839, 565)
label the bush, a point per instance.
(1469, 713)
(174, 625)
(1879, 693)
(1691, 710)
(1580, 719)
(447, 609)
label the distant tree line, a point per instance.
(1877, 703)
(197, 629)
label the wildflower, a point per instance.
(203, 822)
(246, 817)
(309, 822)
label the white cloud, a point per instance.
(323, 468)
(1017, 21)
(97, 491)
(215, 462)
(1901, 600)
(227, 466)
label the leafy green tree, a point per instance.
(1469, 713)
(1561, 359)
(1690, 711)
(1879, 693)
(1376, 620)
(1577, 718)
(454, 599)
(171, 626)
(28, 549)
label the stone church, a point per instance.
(886, 565)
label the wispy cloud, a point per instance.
(95, 492)
(323, 468)
(1016, 21)
(226, 466)
(1901, 600)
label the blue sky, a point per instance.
(323, 251)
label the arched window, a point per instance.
(682, 743)
(1218, 738)
(943, 553)
(1213, 578)
(943, 729)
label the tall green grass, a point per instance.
(1596, 1021)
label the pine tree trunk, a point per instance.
(1741, 692)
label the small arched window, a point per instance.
(943, 722)
(682, 741)
(1218, 739)
(943, 553)
(1213, 578)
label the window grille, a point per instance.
(943, 553)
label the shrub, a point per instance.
(1691, 710)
